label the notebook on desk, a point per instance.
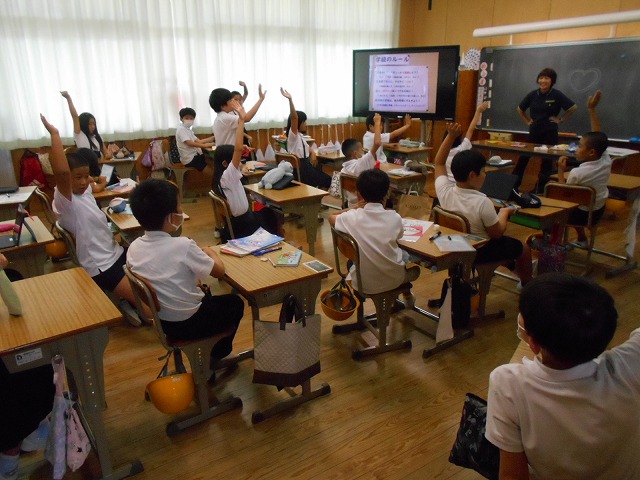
(499, 185)
(13, 239)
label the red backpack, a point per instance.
(31, 171)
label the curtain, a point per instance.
(134, 63)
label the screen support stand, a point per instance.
(426, 129)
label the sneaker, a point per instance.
(409, 301)
(37, 439)
(129, 313)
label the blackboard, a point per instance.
(507, 74)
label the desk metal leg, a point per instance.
(307, 394)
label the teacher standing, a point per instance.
(545, 105)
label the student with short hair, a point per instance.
(310, 169)
(174, 266)
(464, 197)
(189, 146)
(367, 139)
(358, 161)
(227, 182)
(78, 213)
(572, 412)
(594, 171)
(377, 231)
(224, 126)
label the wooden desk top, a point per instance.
(41, 232)
(126, 221)
(396, 147)
(332, 157)
(252, 275)
(426, 248)
(21, 196)
(300, 192)
(623, 182)
(549, 208)
(55, 305)
(116, 161)
(120, 192)
(528, 148)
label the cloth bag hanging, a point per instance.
(414, 205)
(287, 353)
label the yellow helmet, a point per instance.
(173, 393)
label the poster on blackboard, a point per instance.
(507, 74)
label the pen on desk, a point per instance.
(433, 237)
(271, 261)
(449, 237)
(266, 250)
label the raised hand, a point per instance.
(261, 93)
(594, 99)
(65, 94)
(50, 128)
(285, 94)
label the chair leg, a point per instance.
(485, 275)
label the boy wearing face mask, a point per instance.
(189, 146)
(174, 266)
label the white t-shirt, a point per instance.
(96, 248)
(580, 423)
(593, 174)
(224, 128)
(187, 152)
(472, 204)
(377, 232)
(367, 142)
(355, 167)
(297, 145)
(231, 184)
(464, 145)
(82, 141)
(173, 266)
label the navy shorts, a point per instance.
(111, 277)
(198, 162)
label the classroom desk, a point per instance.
(432, 255)
(551, 212)
(105, 196)
(333, 159)
(9, 201)
(417, 154)
(264, 285)
(127, 225)
(301, 199)
(528, 149)
(66, 313)
(125, 167)
(29, 257)
(404, 182)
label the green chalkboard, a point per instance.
(507, 74)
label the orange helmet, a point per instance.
(173, 393)
(56, 249)
(338, 304)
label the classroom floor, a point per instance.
(393, 416)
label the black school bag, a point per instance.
(461, 293)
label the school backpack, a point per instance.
(154, 157)
(174, 154)
(31, 170)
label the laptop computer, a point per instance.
(8, 183)
(13, 239)
(499, 185)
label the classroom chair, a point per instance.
(197, 351)
(384, 302)
(584, 196)
(69, 241)
(221, 212)
(57, 250)
(292, 159)
(485, 272)
(347, 184)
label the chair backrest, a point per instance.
(292, 159)
(69, 241)
(583, 195)
(449, 219)
(348, 183)
(221, 210)
(345, 244)
(46, 206)
(144, 293)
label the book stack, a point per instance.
(259, 240)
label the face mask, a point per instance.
(187, 123)
(181, 220)
(521, 333)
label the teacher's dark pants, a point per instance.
(542, 134)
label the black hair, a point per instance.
(596, 140)
(369, 121)
(548, 72)
(465, 162)
(152, 200)
(234, 93)
(84, 157)
(219, 98)
(349, 146)
(223, 153)
(187, 111)
(373, 185)
(456, 142)
(302, 117)
(84, 118)
(572, 317)
(78, 161)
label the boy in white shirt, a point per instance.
(572, 412)
(175, 266)
(367, 139)
(189, 146)
(224, 126)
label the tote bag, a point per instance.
(287, 352)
